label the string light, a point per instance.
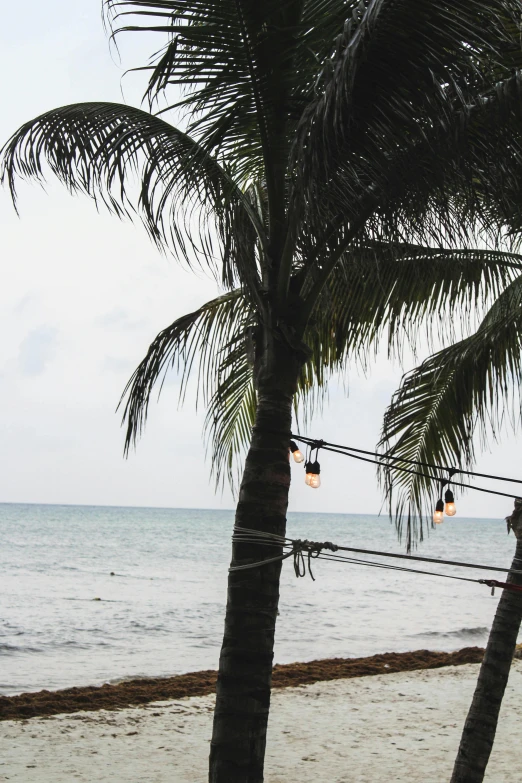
(389, 462)
(383, 461)
(438, 514)
(312, 469)
(315, 480)
(298, 455)
(449, 508)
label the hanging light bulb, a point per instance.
(298, 455)
(315, 480)
(450, 508)
(438, 515)
(309, 474)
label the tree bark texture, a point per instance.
(245, 667)
(481, 723)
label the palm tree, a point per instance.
(481, 722)
(457, 397)
(338, 164)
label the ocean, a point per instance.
(94, 594)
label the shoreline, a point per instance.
(140, 691)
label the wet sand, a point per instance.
(400, 726)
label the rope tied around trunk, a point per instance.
(299, 549)
(304, 551)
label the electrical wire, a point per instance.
(453, 470)
(343, 450)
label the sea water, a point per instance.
(93, 594)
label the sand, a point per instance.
(394, 727)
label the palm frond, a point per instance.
(400, 68)
(455, 397)
(203, 336)
(235, 63)
(247, 69)
(422, 159)
(375, 287)
(135, 163)
(231, 415)
(218, 340)
(405, 292)
(397, 292)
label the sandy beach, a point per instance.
(400, 726)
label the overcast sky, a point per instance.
(83, 295)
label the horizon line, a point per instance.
(199, 508)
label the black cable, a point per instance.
(325, 444)
(354, 561)
(327, 447)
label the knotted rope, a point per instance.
(313, 550)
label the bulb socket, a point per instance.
(440, 505)
(293, 446)
(316, 468)
(448, 496)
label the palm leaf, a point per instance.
(456, 396)
(375, 287)
(217, 339)
(183, 195)
(231, 415)
(248, 70)
(400, 69)
(204, 337)
(236, 63)
(406, 164)
(404, 291)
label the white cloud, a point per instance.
(37, 349)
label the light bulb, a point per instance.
(298, 455)
(438, 514)
(315, 479)
(309, 474)
(450, 507)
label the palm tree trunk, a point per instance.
(245, 667)
(481, 723)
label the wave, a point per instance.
(68, 644)
(102, 600)
(466, 633)
(146, 627)
(13, 649)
